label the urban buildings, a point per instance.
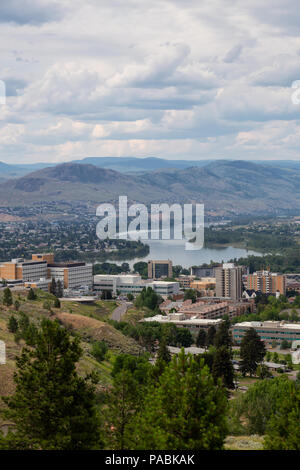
(132, 283)
(72, 275)
(160, 268)
(229, 281)
(266, 282)
(39, 271)
(180, 320)
(269, 331)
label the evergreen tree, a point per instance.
(13, 324)
(201, 339)
(7, 297)
(283, 430)
(211, 333)
(31, 295)
(56, 303)
(17, 305)
(123, 403)
(252, 352)
(53, 286)
(163, 352)
(186, 410)
(223, 367)
(52, 407)
(59, 289)
(223, 336)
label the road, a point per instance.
(120, 311)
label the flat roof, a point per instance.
(268, 324)
(189, 321)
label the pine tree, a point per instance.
(53, 286)
(223, 367)
(123, 403)
(211, 333)
(252, 352)
(52, 407)
(31, 295)
(223, 336)
(13, 324)
(201, 339)
(59, 289)
(184, 411)
(7, 297)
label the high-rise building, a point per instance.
(267, 282)
(229, 281)
(160, 268)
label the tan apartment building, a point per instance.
(229, 281)
(267, 282)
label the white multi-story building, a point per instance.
(72, 275)
(133, 284)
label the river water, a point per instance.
(175, 251)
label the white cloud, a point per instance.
(178, 79)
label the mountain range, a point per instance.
(225, 187)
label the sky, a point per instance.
(175, 79)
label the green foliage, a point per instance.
(124, 401)
(252, 352)
(139, 367)
(99, 350)
(13, 324)
(261, 401)
(223, 336)
(211, 333)
(201, 338)
(185, 411)
(52, 407)
(7, 297)
(283, 430)
(147, 298)
(31, 295)
(190, 294)
(56, 303)
(222, 367)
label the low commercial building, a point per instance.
(180, 320)
(42, 284)
(268, 331)
(132, 284)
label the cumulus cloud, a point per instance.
(34, 12)
(169, 78)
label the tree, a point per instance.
(223, 336)
(56, 303)
(190, 294)
(260, 402)
(262, 371)
(17, 305)
(185, 411)
(201, 339)
(99, 350)
(223, 368)
(31, 295)
(59, 289)
(284, 344)
(53, 287)
(252, 352)
(52, 407)
(13, 324)
(163, 352)
(283, 430)
(184, 337)
(123, 403)
(130, 297)
(211, 333)
(7, 297)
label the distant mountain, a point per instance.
(225, 187)
(133, 164)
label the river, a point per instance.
(174, 250)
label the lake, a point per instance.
(175, 251)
